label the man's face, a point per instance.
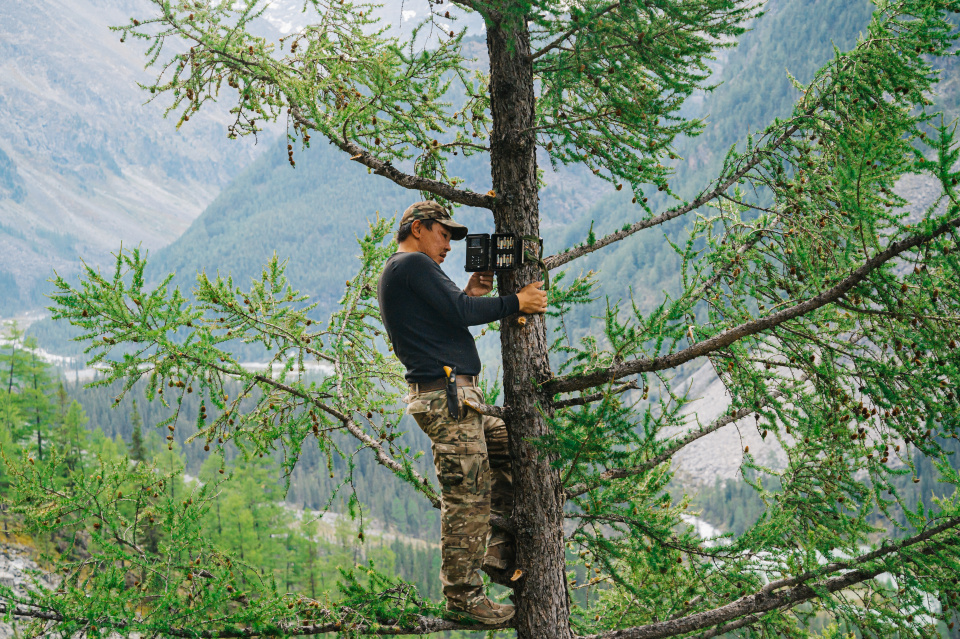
(435, 242)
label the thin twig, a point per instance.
(407, 181)
(747, 610)
(595, 397)
(572, 383)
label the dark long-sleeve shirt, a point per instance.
(426, 316)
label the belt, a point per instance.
(440, 384)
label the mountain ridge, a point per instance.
(86, 162)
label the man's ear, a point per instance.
(415, 229)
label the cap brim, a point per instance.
(457, 231)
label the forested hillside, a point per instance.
(311, 484)
(74, 435)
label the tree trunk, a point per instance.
(543, 603)
(37, 413)
(13, 361)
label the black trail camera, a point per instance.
(504, 252)
(497, 252)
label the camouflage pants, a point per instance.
(473, 468)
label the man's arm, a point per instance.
(532, 299)
(427, 280)
(480, 284)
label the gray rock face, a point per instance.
(718, 455)
(19, 572)
(85, 163)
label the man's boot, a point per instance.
(500, 555)
(481, 608)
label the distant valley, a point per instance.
(84, 164)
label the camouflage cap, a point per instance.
(430, 210)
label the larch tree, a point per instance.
(13, 358)
(830, 316)
(36, 387)
(137, 447)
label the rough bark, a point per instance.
(543, 607)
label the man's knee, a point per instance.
(498, 441)
(462, 470)
(464, 531)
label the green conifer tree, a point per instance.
(11, 418)
(74, 441)
(829, 316)
(34, 397)
(138, 449)
(13, 358)
(12, 432)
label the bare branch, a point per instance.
(595, 397)
(739, 623)
(572, 383)
(487, 409)
(556, 125)
(407, 181)
(386, 460)
(569, 32)
(748, 609)
(423, 626)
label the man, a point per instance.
(427, 318)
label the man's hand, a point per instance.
(532, 299)
(480, 284)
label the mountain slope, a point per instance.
(794, 37)
(84, 164)
(755, 90)
(310, 214)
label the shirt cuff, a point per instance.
(513, 304)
